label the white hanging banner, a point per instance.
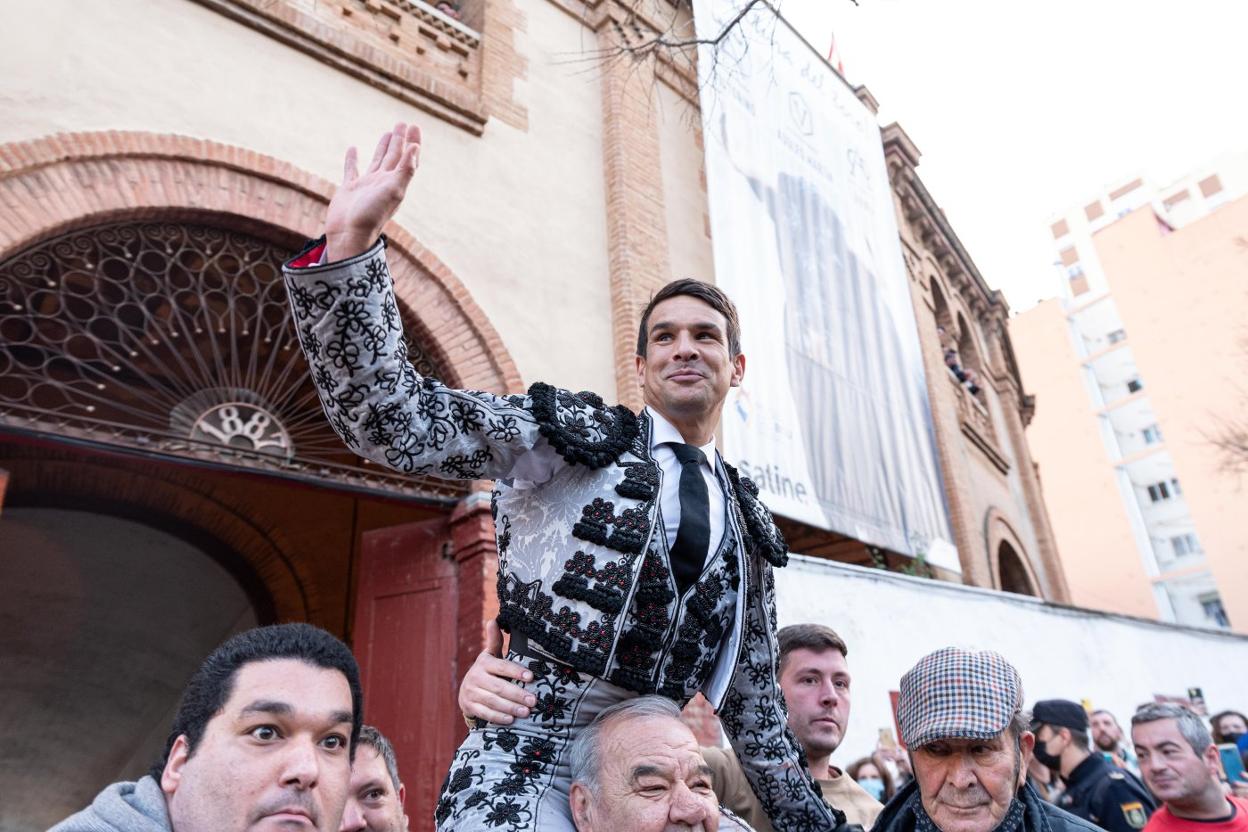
(832, 420)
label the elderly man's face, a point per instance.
(275, 757)
(967, 785)
(653, 779)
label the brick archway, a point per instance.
(70, 180)
(61, 183)
(175, 501)
(998, 531)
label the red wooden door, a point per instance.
(405, 641)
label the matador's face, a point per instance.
(688, 367)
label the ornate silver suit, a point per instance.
(580, 571)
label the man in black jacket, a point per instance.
(1096, 791)
(962, 719)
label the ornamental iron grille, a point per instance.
(174, 340)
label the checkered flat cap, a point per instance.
(958, 694)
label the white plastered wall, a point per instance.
(519, 217)
(890, 621)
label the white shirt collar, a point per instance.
(665, 432)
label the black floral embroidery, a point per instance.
(503, 535)
(344, 355)
(374, 339)
(504, 429)
(754, 717)
(311, 344)
(466, 417)
(349, 398)
(378, 275)
(467, 466)
(343, 428)
(325, 295)
(390, 314)
(302, 299)
(351, 317)
(503, 796)
(359, 287)
(325, 381)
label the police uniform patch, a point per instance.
(1135, 814)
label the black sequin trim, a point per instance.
(648, 620)
(580, 428)
(641, 481)
(610, 585)
(760, 526)
(625, 532)
(524, 608)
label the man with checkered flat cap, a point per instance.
(962, 720)
(1097, 791)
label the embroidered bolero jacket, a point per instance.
(570, 550)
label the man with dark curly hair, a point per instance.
(632, 559)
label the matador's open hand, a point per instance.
(363, 205)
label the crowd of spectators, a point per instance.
(270, 734)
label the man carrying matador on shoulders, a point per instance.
(632, 559)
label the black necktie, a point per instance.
(693, 537)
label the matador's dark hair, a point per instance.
(712, 296)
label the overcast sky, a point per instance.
(1023, 109)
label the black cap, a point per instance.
(1060, 713)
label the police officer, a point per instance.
(1096, 791)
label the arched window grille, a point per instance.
(173, 339)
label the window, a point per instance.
(1164, 490)
(1125, 189)
(1211, 603)
(1069, 256)
(1175, 199)
(1093, 211)
(1117, 335)
(1152, 435)
(1210, 185)
(1185, 544)
(1135, 385)
(1060, 229)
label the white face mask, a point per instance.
(873, 786)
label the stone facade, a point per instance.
(1000, 525)
(561, 184)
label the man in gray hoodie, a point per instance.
(263, 739)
